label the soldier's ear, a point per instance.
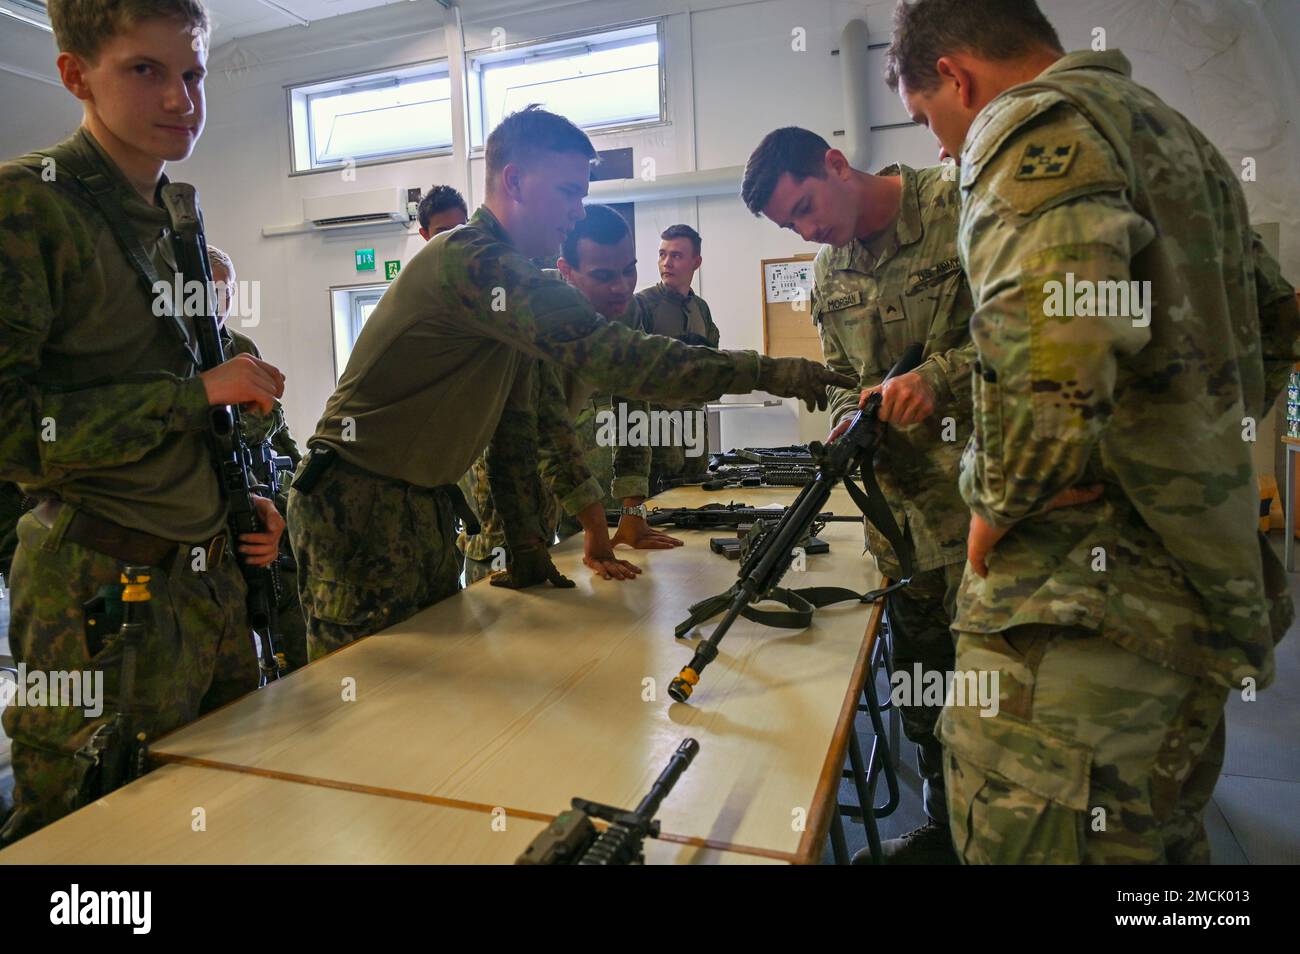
(72, 70)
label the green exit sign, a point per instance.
(391, 268)
(365, 259)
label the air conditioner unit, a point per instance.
(373, 207)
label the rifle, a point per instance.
(716, 515)
(116, 751)
(573, 840)
(232, 456)
(722, 476)
(771, 553)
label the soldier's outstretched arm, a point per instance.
(45, 433)
(550, 320)
(1044, 381)
(1279, 323)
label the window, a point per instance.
(600, 81)
(378, 116)
(352, 307)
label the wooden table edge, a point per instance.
(445, 802)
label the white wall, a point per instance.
(732, 76)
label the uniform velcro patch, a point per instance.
(1040, 161)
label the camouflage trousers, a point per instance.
(1095, 754)
(371, 552)
(920, 615)
(675, 461)
(197, 654)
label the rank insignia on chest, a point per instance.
(842, 301)
(1046, 162)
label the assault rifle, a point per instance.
(572, 839)
(769, 556)
(232, 456)
(719, 516)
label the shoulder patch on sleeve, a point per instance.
(1053, 158)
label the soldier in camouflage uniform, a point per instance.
(890, 277)
(102, 414)
(445, 366)
(13, 504)
(1118, 585)
(599, 260)
(269, 433)
(676, 311)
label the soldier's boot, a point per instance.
(931, 844)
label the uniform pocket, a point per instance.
(1017, 792)
(337, 602)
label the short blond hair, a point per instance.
(83, 26)
(216, 257)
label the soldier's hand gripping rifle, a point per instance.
(231, 453)
(770, 555)
(573, 840)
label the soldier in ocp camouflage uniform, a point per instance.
(270, 432)
(1118, 585)
(103, 416)
(890, 277)
(444, 367)
(673, 309)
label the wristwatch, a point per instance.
(638, 511)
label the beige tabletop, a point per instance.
(186, 815)
(522, 700)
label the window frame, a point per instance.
(441, 65)
(476, 120)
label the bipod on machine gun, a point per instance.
(572, 839)
(232, 456)
(769, 556)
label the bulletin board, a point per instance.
(786, 288)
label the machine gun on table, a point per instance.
(717, 516)
(572, 839)
(770, 555)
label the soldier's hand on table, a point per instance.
(982, 537)
(636, 533)
(802, 379)
(529, 566)
(598, 554)
(261, 549)
(904, 400)
(244, 380)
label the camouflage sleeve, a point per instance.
(283, 441)
(561, 462)
(1044, 382)
(631, 476)
(512, 461)
(843, 401)
(550, 320)
(948, 371)
(1279, 323)
(45, 433)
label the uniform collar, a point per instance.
(907, 228)
(86, 147)
(1112, 60)
(672, 295)
(485, 220)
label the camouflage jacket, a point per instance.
(674, 315)
(270, 428)
(1074, 185)
(568, 488)
(870, 301)
(442, 369)
(100, 402)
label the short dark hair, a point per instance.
(603, 225)
(682, 231)
(531, 130)
(800, 152)
(925, 30)
(439, 199)
(84, 26)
